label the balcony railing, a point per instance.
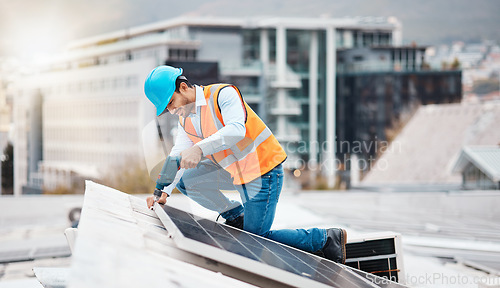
(247, 68)
(289, 107)
(291, 80)
(377, 66)
(290, 133)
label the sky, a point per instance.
(32, 27)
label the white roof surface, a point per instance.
(428, 146)
(124, 242)
(117, 246)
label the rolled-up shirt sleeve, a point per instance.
(233, 115)
(182, 142)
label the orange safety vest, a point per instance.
(253, 156)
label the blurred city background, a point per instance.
(389, 112)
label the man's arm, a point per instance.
(234, 130)
(182, 142)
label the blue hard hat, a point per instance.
(160, 86)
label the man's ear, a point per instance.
(183, 87)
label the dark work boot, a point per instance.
(334, 248)
(236, 222)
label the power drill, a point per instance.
(169, 170)
(167, 175)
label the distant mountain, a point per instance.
(59, 21)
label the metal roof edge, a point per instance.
(468, 155)
(289, 22)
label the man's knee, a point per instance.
(181, 187)
(255, 229)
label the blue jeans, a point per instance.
(259, 198)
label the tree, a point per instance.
(455, 65)
(8, 170)
(130, 177)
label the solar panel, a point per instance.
(259, 255)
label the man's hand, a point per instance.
(191, 157)
(151, 200)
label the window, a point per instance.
(251, 45)
(182, 54)
(339, 38)
(384, 39)
(367, 39)
(356, 36)
(358, 58)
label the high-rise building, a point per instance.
(93, 107)
(5, 114)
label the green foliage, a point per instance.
(321, 183)
(59, 190)
(426, 66)
(455, 65)
(131, 177)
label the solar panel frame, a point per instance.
(213, 250)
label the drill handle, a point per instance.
(170, 168)
(204, 161)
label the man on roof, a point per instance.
(215, 122)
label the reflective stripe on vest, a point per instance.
(251, 157)
(242, 154)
